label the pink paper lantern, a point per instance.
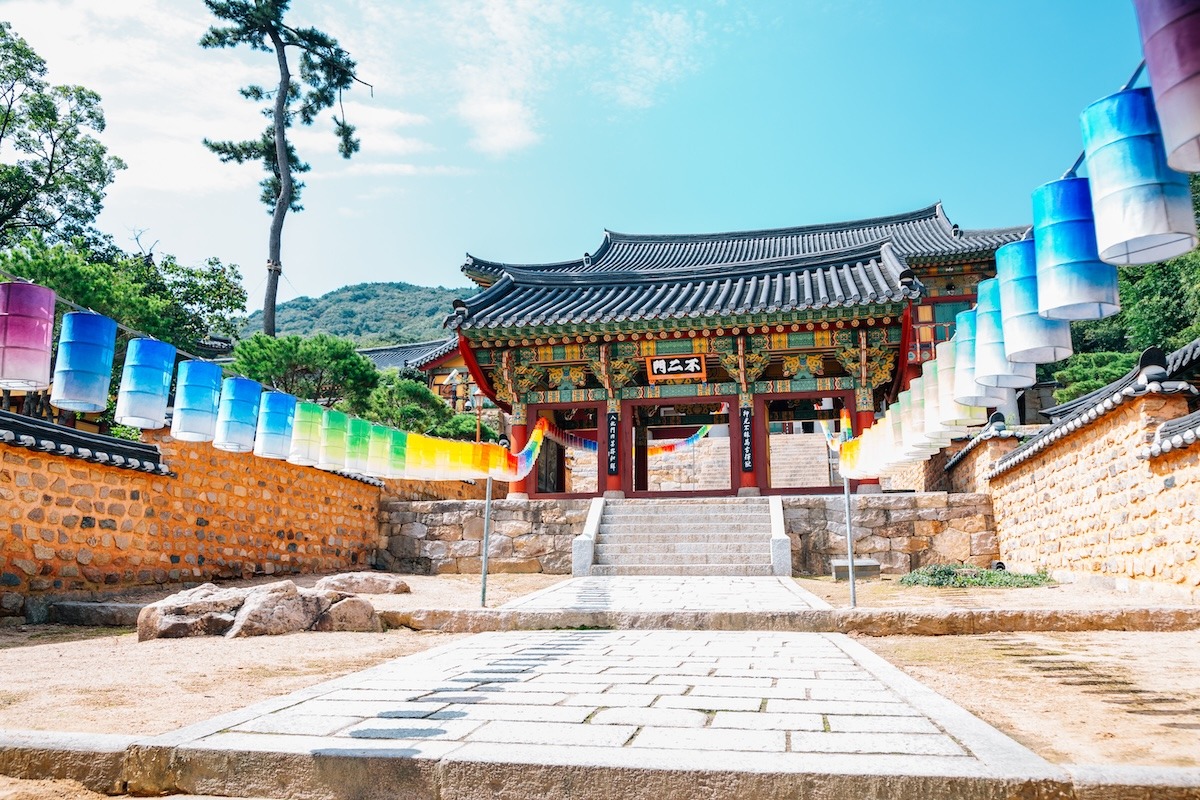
(1171, 43)
(26, 336)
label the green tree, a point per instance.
(322, 368)
(407, 404)
(167, 300)
(326, 70)
(54, 171)
(462, 426)
(1086, 372)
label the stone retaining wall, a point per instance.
(1087, 508)
(441, 490)
(446, 537)
(69, 528)
(901, 531)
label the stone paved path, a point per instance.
(672, 594)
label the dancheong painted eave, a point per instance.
(709, 276)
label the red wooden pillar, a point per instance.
(520, 436)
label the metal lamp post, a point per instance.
(487, 530)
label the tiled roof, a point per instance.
(46, 437)
(781, 270)
(416, 354)
(1151, 376)
(1174, 435)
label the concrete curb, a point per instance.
(863, 621)
(95, 760)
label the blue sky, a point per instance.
(519, 131)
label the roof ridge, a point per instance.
(927, 212)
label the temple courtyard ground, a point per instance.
(775, 709)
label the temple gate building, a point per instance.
(758, 334)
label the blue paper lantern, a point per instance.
(145, 384)
(1028, 337)
(1072, 282)
(992, 365)
(306, 435)
(334, 428)
(966, 390)
(83, 369)
(237, 415)
(276, 417)
(197, 396)
(1143, 208)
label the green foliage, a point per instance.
(326, 70)
(54, 171)
(168, 300)
(322, 368)
(368, 313)
(1086, 372)
(407, 404)
(462, 427)
(959, 575)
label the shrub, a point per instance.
(960, 575)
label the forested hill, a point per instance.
(369, 313)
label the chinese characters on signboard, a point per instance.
(613, 467)
(747, 446)
(673, 368)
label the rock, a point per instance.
(101, 615)
(363, 583)
(178, 626)
(351, 614)
(279, 608)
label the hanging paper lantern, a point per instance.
(83, 369)
(992, 366)
(397, 455)
(951, 413)
(936, 431)
(145, 384)
(26, 336)
(276, 420)
(1171, 42)
(358, 445)
(334, 428)
(1143, 207)
(305, 448)
(967, 390)
(237, 415)
(1072, 282)
(197, 396)
(379, 451)
(1028, 337)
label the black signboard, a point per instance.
(613, 423)
(747, 445)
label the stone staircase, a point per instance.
(702, 536)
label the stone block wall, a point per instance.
(441, 490)
(901, 531)
(69, 528)
(1086, 508)
(447, 537)
(970, 474)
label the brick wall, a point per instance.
(446, 537)
(441, 490)
(71, 528)
(1087, 508)
(970, 473)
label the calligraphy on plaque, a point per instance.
(747, 444)
(674, 368)
(613, 423)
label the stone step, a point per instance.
(732, 570)
(683, 529)
(714, 537)
(728, 560)
(675, 516)
(669, 512)
(739, 548)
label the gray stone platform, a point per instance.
(573, 714)
(672, 593)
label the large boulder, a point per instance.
(351, 614)
(364, 583)
(208, 610)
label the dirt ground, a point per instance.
(888, 592)
(78, 679)
(1073, 698)
(1082, 698)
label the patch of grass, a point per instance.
(960, 575)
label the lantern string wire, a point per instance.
(1137, 73)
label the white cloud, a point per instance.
(659, 48)
(361, 168)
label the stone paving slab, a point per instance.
(652, 702)
(672, 593)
